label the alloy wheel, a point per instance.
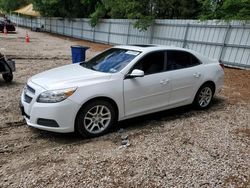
(97, 119)
(205, 97)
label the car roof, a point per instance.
(150, 47)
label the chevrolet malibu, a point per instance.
(119, 83)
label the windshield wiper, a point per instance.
(92, 68)
(83, 64)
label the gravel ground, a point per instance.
(174, 148)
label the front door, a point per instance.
(151, 92)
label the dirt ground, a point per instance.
(175, 148)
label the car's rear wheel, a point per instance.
(8, 77)
(204, 96)
(95, 118)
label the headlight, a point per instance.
(55, 96)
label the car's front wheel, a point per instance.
(95, 118)
(204, 96)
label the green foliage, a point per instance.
(236, 9)
(143, 23)
(141, 11)
(97, 15)
(46, 8)
(144, 12)
(176, 9)
(89, 6)
(225, 9)
(11, 5)
(211, 9)
(61, 8)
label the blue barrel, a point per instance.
(78, 53)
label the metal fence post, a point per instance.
(63, 26)
(71, 28)
(109, 32)
(128, 35)
(45, 24)
(225, 41)
(50, 25)
(82, 21)
(185, 36)
(56, 26)
(94, 35)
(152, 33)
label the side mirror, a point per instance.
(136, 73)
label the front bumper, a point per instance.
(62, 113)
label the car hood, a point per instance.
(72, 75)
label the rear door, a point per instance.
(186, 76)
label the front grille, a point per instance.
(31, 89)
(27, 98)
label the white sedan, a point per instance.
(119, 83)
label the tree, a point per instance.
(145, 11)
(61, 8)
(225, 9)
(10, 5)
(236, 9)
(177, 9)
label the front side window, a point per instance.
(151, 63)
(180, 59)
(111, 61)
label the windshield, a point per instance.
(111, 61)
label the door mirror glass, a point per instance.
(136, 73)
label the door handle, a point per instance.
(164, 82)
(197, 75)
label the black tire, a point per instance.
(8, 77)
(204, 96)
(85, 118)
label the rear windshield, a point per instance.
(111, 61)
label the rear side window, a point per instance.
(180, 59)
